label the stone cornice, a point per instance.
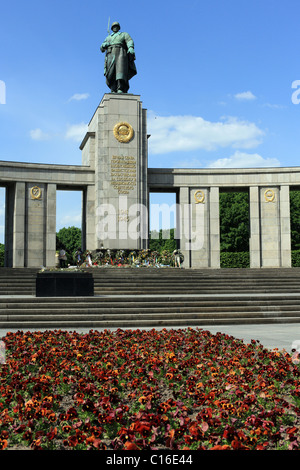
(73, 175)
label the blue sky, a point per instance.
(216, 78)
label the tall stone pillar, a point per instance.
(88, 219)
(40, 225)
(30, 234)
(200, 227)
(285, 227)
(50, 224)
(254, 242)
(214, 225)
(15, 225)
(117, 139)
(184, 229)
(270, 233)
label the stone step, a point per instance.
(137, 317)
(192, 282)
(124, 314)
(229, 299)
(148, 304)
(140, 324)
(148, 301)
(152, 311)
(137, 298)
(160, 291)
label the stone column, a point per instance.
(35, 224)
(285, 227)
(184, 229)
(50, 221)
(30, 234)
(270, 227)
(15, 225)
(88, 219)
(200, 227)
(270, 240)
(254, 242)
(214, 227)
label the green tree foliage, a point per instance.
(69, 239)
(163, 240)
(295, 219)
(239, 259)
(234, 222)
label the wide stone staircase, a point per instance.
(155, 297)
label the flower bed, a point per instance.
(156, 389)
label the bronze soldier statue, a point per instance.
(119, 65)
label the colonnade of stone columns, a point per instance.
(30, 236)
(269, 217)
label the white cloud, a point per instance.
(245, 160)
(76, 131)
(79, 96)
(274, 106)
(2, 207)
(69, 220)
(38, 134)
(186, 133)
(245, 96)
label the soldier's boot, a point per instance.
(121, 87)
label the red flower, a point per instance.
(3, 443)
(221, 447)
(52, 434)
(71, 413)
(131, 446)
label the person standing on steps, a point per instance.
(62, 258)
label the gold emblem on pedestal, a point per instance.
(123, 132)
(35, 192)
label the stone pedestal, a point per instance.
(116, 147)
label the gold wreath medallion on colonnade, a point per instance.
(123, 132)
(269, 195)
(35, 192)
(199, 197)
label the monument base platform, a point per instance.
(63, 284)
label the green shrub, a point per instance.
(296, 258)
(239, 259)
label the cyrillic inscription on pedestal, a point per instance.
(123, 174)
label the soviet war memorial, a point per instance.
(159, 310)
